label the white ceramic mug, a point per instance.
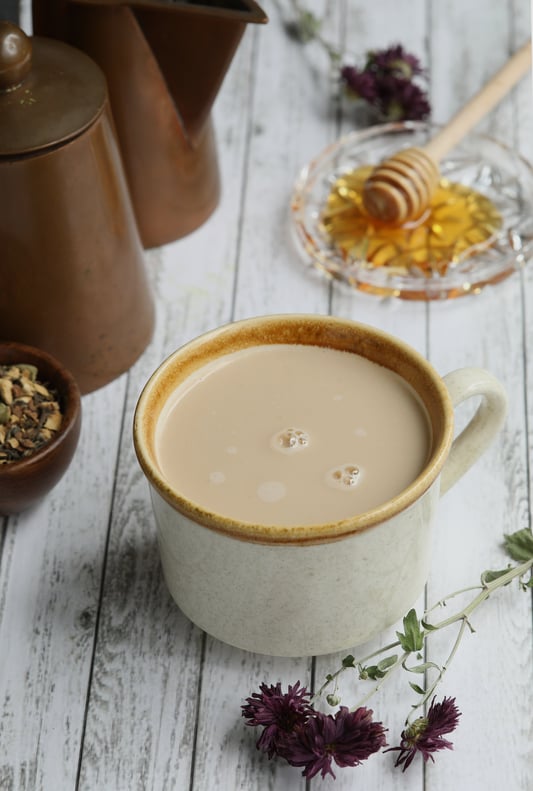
(306, 590)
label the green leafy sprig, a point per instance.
(416, 631)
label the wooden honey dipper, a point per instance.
(400, 188)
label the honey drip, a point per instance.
(458, 224)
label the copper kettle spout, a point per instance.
(199, 45)
(164, 63)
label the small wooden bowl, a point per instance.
(23, 483)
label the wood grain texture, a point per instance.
(50, 574)
(492, 497)
(292, 120)
(104, 684)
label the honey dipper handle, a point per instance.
(480, 104)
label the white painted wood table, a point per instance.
(104, 684)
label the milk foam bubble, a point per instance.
(289, 440)
(345, 476)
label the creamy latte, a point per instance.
(292, 434)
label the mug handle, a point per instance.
(475, 438)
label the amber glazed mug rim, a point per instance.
(318, 330)
(68, 393)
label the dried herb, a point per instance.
(391, 81)
(295, 730)
(30, 415)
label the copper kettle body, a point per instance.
(164, 63)
(71, 261)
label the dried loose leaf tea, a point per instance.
(30, 415)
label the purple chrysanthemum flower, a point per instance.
(347, 738)
(279, 713)
(359, 83)
(401, 100)
(386, 83)
(425, 735)
(395, 61)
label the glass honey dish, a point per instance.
(477, 230)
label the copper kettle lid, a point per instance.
(49, 92)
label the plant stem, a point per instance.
(299, 13)
(361, 661)
(443, 669)
(442, 602)
(380, 683)
(485, 591)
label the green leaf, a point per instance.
(389, 661)
(519, 545)
(427, 626)
(422, 667)
(412, 638)
(417, 688)
(373, 672)
(490, 576)
(377, 671)
(348, 661)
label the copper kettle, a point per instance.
(164, 62)
(72, 278)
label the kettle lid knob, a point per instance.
(15, 56)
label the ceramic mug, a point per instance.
(310, 589)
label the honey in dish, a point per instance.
(459, 223)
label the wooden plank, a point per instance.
(293, 119)
(469, 43)
(50, 577)
(492, 497)
(489, 501)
